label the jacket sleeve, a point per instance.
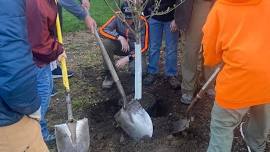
(183, 13)
(108, 30)
(74, 8)
(145, 35)
(211, 42)
(45, 46)
(18, 88)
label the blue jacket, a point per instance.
(74, 8)
(18, 94)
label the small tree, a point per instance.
(137, 8)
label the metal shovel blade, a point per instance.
(135, 121)
(180, 125)
(73, 136)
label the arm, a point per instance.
(211, 43)
(74, 8)
(80, 11)
(108, 30)
(45, 47)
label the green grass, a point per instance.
(99, 11)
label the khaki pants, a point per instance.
(224, 121)
(192, 46)
(23, 136)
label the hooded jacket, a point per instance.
(18, 94)
(237, 33)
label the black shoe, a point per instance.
(57, 73)
(149, 79)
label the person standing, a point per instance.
(159, 25)
(19, 101)
(41, 24)
(236, 34)
(190, 17)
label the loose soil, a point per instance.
(99, 106)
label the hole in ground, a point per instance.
(159, 109)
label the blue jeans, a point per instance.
(44, 88)
(157, 28)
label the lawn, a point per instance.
(99, 11)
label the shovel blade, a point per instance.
(68, 141)
(135, 121)
(180, 125)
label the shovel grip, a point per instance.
(111, 68)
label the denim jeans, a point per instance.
(44, 88)
(157, 28)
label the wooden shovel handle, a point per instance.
(203, 89)
(112, 70)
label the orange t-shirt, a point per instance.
(237, 32)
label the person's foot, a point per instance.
(174, 82)
(107, 82)
(149, 79)
(57, 73)
(49, 139)
(54, 92)
(186, 98)
(243, 136)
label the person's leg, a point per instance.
(44, 88)
(144, 66)
(156, 33)
(171, 42)
(258, 127)
(223, 123)
(192, 48)
(23, 136)
(113, 47)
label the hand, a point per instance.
(122, 62)
(90, 23)
(63, 55)
(173, 26)
(36, 115)
(86, 4)
(124, 43)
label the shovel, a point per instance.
(184, 124)
(72, 136)
(132, 118)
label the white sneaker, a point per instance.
(243, 136)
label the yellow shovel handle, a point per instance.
(63, 60)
